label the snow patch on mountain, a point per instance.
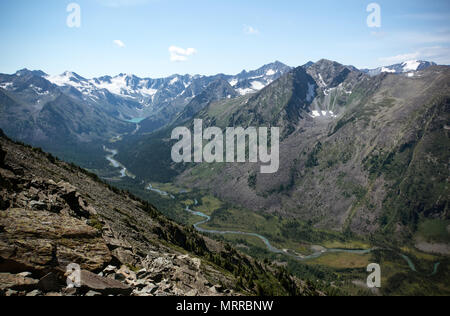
(7, 85)
(385, 69)
(324, 114)
(116, 85)
(65, 79)
(405, 67)
(233, 82)
(321, 81)
(411, 65)
(245, 91)
(257, 85)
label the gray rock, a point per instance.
(127, 273)
(142, 274)
(106, 286)
(93, 293)
(17, 282)
(69, 291)
(109, 270)
(125, 256)
(11, 293)
(150, 289)
(25, 274)
(38, 205)
(139, 284)
(34, 293)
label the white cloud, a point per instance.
(399, 58)
(119, 43)
(178, 54)
(438, 54)
(250, 30)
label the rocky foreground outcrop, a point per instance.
(54, 216)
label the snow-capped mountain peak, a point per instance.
(256, 80)
(401, 68)
(127, 95)
(67, 78)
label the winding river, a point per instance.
(113, 153)
(269, 246)
(273, 249)
(319, 251)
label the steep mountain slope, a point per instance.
(377, 165)
(35, 111)
(53, 214)
(216, 91)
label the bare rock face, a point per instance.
(45, 226)
(37, 240)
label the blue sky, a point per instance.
(216, 36)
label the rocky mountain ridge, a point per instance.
(53, 214)
(348, 141)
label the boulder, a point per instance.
(71, 196)
(16, 282)
(105, 286)
(40, 241)
(125, 256)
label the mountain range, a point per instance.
(363, 156)
(405, 67)
(59, 112)
(355, 150)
